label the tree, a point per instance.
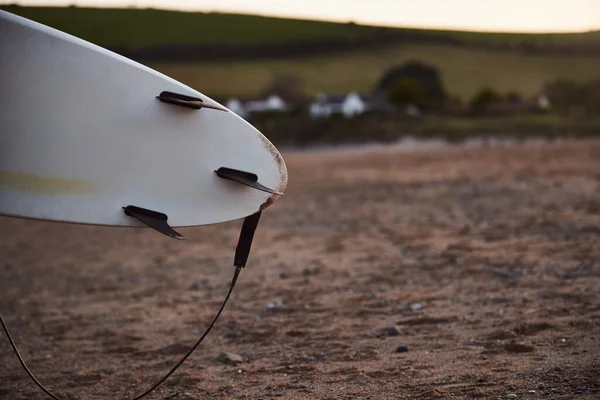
(591, 97)
(483, 99)
(427, 77)
(569, 96)
(405, 91)
(562, 93)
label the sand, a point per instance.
(482, 261)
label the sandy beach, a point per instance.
(423, 272)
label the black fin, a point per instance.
(185, 101)
(245, 178)
(153, 219)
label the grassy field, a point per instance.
(135, 28)
(464, 71)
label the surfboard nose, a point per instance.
(247, 178)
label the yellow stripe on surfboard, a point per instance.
(43, 184)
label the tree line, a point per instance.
(420, 84)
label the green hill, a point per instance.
(467, 61)
(135, 28)
(464, 71)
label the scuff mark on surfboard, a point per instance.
(282, 172)
(280, 165)
(43, 184)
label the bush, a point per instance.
(483, 99)
(427, 77)
(590, 97)
(407, 91)
(562, 93)
(567, 96)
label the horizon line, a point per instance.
(305, 18)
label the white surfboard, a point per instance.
(83, 134)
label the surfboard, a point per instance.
(88, 136)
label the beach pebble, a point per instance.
(416, 307)
(233, 333)
(271, 391)
(393, 331)
(401, 349)
(511, 396)
(284, 275)
(499, 300)
(230, 358)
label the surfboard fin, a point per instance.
(186, 101)
(154, 220)
(245, 178)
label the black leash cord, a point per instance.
(33, 378)
(241, 257)
(157, 384)
(238, 268)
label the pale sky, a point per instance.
(488, 15)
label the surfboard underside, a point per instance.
(84, 133)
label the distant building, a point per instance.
(271, 103)
(349, 105)
(321, 106)
(543, 102)
(245, 107)
(412, 111)
(326, 105)
(236, 106)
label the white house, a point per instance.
(271, 103)
(412, 110)
(349, 105)
(236, 106)
(543, 102)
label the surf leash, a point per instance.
(242, 252)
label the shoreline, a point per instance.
(413, 145)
